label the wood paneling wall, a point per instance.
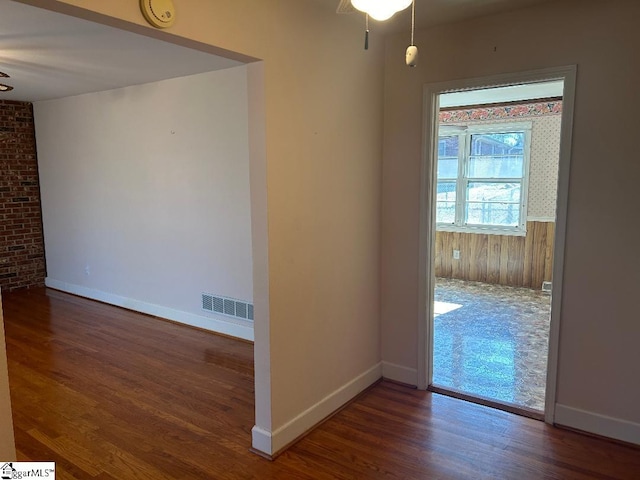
(501, 259)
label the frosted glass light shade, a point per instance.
(380, 9)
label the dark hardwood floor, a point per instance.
(111, 394)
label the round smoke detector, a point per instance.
(159, 13)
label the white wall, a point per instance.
(320, 167)
(145, 195)
(599, 360)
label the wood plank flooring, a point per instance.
(111, 394)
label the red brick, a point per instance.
(22, 262)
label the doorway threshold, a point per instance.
(488, 402)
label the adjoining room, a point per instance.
(497, 175)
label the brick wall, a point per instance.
(22, 261)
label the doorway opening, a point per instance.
(496, 227)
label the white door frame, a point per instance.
(426, 279)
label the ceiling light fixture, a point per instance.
(3, 87)
(380, 9)
(383, 10)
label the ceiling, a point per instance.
(50, 55)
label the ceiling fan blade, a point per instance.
(344, 6)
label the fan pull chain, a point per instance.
(366, 33)
(413, 19)
(411, 55)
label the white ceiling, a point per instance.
(49, 55)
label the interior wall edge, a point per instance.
(260, 252)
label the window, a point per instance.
(482, 174)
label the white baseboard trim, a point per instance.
(261, 440)
(215, 324)
(271, 443)
(598, 424)
(398, 373)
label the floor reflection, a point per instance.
(491, 341)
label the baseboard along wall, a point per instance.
(273, 443)
(213, 323)
(597, 424)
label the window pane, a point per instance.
(448, 157)
(493, 192)
(504, 166)
(491, 144)
(446, 204)
(446, 212)
(484, 213)
(446, 191)
(497, 155)
(448, 146)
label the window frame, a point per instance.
(464, 134)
